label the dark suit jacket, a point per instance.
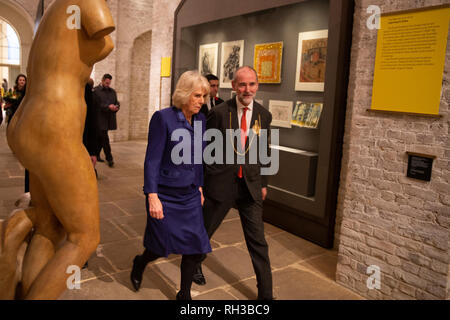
(159, 169)
(220, 179)
(103, 97)
(204, 108)
(90, 136)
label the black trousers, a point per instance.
(103, 142)
(250, 212)
(27, 181)
(188, 264)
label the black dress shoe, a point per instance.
(100, 159)
(182, 296)
(111, 164)
(198, 276)
(136, 274)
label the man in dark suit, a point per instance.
(214, 100)
(106, 99)
(241, 186)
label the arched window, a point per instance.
(9, 45)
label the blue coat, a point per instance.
(182, 230)
(158, 167)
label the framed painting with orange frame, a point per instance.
(267, 62)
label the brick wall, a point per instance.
(140, 86)
(162, 44)
(401, 225)
(132, 19)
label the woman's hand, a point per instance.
(201, 194)
(155, 206)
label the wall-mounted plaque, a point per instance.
(419, 166)
(410, 60)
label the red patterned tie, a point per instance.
(243, 135)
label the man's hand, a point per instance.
(155, 206)
(113, 107)
(264, 193)
(94, 160)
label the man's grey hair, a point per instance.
(244, 67)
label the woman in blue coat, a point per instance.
(173, 179)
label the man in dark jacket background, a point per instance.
(106, 100)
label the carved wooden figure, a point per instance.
(46, 137)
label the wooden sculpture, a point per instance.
(46, 136)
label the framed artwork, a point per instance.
(306, 114)
(281, 113)
(207, 58)
(311, 60)
(267, 62)
(232, 57)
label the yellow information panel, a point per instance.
(165, 66)
(409, 64)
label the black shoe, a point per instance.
(198, 276)
(100, 159)
(182, 296)
(111, 164)
(136, 274)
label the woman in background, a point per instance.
(18, 93)
(173, 191)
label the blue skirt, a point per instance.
(182, 229)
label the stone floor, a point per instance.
(301, 269)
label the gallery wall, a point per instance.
(273, 25)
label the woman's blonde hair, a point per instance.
(188, 83)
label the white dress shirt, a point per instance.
(248, 114)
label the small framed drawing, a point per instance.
(281, 113)
(311, 60)
(306, 114)
(207, 58)
(267, 62)
(232, 57)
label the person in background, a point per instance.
(90, 135)
(213, 100)
(5, 85)
(174, 195)
(16, 96)
(12, 104)
(108, 105)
